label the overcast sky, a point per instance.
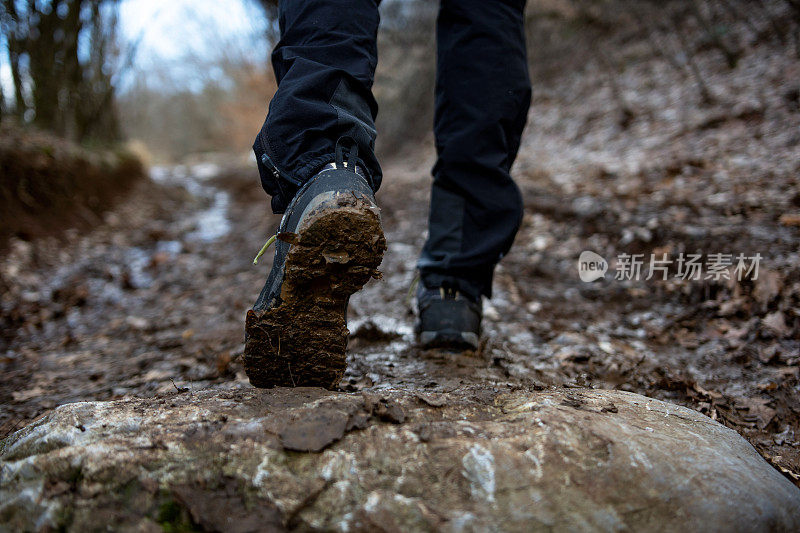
(175, 29)
(169, 32)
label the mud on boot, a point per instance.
(329, 244)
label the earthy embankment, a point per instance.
(48, 184)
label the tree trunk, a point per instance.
(70, 92)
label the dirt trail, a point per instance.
(152, 302)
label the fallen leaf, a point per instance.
(776, 323)
(433, 400)
(759, 409)
(767, 286)
(790, 219)
(22, 396)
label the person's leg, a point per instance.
(330, 241)
(482, 99)
(324, 64)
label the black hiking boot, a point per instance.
(447, 319)
(329, 244)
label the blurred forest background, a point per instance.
(74, 87)
(72, 74)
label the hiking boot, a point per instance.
(447, 318)
(329, 244)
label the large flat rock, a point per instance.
(469, 460)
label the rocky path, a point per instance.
(150, 305)
(472, 459)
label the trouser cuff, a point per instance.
(472, 288)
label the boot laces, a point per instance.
(264, 248)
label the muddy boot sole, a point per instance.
(303, 340)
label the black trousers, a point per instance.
(325, 65)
